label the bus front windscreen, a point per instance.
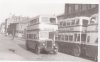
(53, 20)
(49, 20)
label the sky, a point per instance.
(28, 8)
(32, 8)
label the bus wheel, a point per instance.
(27, 47)
(55, 49)
(76, 51)
(37, 49)
(96, 59)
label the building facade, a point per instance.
(75, 10)
(2, 28)
(16, 25)
(21, 27)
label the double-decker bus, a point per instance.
(79, 36)
(41, 34)
(91, 46)
(72, 35)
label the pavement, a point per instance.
(15, 50)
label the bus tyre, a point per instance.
(37, 49)
(76, 51)
(96, 59)
(55, 51)
(27, 47)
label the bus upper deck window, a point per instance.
(64, 24)
(34, 21)
(45, 20)
(73, 22)
(85, 23)
(53, 20)
(96, 41)
(92, 20)
(77, 21)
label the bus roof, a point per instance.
(81, 17)
(43, 16)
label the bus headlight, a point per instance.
(43, 44)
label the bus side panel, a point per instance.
(92, 44)
(91, 51)
(31, 44)
(66, 47)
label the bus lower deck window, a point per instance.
(70, 38)
(66, 37)
(75, 37)
(83, 37)
(78, 39)
(62, 37)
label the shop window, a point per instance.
(73, 22)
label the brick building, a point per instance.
(74, 10)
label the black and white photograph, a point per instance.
(33, 30)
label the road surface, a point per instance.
(15, 50)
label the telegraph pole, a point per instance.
(5, 27)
